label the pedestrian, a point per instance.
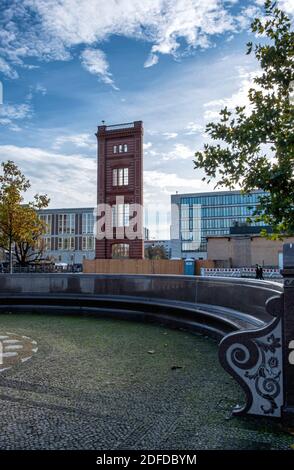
(256, 271)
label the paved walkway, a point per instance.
(108, 384)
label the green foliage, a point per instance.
(256, 149)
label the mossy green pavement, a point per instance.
(110, 384)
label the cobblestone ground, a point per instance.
(109, 384)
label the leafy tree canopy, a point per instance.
(20, 225)
(255, 148)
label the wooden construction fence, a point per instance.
(134, 266)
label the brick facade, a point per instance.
(110, 138)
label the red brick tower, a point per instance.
(120, 174)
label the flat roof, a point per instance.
(216, 193)
(235, 235)
(68, 209)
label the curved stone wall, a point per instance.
(184, 300)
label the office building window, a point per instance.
(125, 148)
(88, 243)
(120, 177)
(201, 216)
(191, 222)
(66, 223)
(87, 222)
(115, 149)
(66, 243)
(120, 250)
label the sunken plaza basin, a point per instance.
(74, 374)
(80, 382)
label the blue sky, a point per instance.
(67, 64)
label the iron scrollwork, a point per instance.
(254, 359)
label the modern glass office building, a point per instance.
(196, 216)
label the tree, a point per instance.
(257, 144)
(155, 252)
(20, 225)
(29, 248)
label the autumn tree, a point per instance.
(30, 246)
(255, 148)
(20, 226)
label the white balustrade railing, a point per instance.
(268, 273)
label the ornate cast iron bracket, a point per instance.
(254, 358)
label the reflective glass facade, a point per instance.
(201, 215)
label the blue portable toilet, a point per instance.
(189, 268)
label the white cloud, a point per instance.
(40, 89)
(286, 5)
(86, 141)
(69, 180)
(94, 60)
(7, 70)
(230, 38)
(179, 152)
(36, 89)
(171, 182)
(50, 29)
(18, 111)
(170, 135)
(193, 128)
(246, 15)
(239, 98)
(147, 146)
(9, 113)
(151, 60)
(159, 21)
